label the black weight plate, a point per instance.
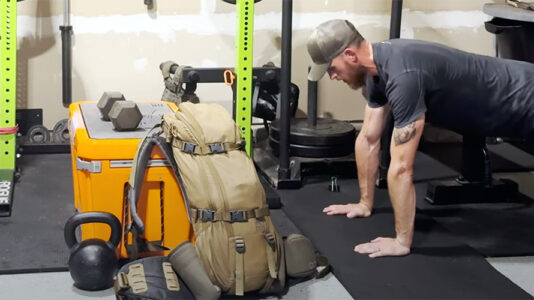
(338, 150)
(37, 134)
(61, 131)
(327, 132)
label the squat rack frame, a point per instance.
(8, 102)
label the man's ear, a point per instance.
(350, 54)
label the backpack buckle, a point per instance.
(239, 245)
(269, 237)
(188, 147)
(238, 216)
(217, 148)
(207, 215)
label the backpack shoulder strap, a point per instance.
(135, 182)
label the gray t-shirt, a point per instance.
(464, 92)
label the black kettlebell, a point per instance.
(93, 262)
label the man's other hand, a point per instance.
(383, 247)
(352, 210)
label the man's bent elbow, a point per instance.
(400, 172)
(367, 141)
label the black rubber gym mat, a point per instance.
(503, 157)
(493, 229)
(32, 238)
(440, 265)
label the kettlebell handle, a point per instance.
(92, 217)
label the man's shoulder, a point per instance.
(409, 45)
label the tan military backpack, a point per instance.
(235, 238)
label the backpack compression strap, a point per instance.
(208, 215)
(206, 149)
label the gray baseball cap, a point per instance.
(326, 42)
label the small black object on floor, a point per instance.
(32, 238)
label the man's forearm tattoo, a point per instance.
(403, 135)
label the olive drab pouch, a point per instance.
(302, 260)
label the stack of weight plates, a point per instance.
(328, 138)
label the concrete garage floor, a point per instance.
(58, 285)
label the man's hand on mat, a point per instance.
(352, 210)
(383, 247)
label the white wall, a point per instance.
(118, 45)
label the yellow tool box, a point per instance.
(101, 162)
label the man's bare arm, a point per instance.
(400, 175)
(401, 191)
(366, 149)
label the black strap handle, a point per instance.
(145, 150)
(499, 28)
(92, 217)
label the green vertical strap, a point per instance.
(8, 85)
(243, 70)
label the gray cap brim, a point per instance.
(317, 71)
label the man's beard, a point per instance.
(358, 78)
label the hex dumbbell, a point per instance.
(106, 103)
(125, 115)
